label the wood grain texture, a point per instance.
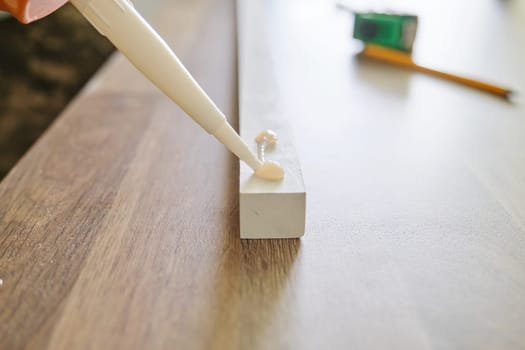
(267, 209)
(101, 215)
(119, 228)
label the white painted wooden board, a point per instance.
(267, 209)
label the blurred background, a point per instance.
(42, 66)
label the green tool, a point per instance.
(396, 31)
(390, 30)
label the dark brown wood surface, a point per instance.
(119, 229)
(40, 74)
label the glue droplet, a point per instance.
(270, 170)
(268, 136)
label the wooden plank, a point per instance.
(267, 209)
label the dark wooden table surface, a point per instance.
(119, 228)
(42, 66)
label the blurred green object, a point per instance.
(395, 31)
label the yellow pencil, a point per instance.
(405, 60)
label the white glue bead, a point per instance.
(268, 136)
(270, 170)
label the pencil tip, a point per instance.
(510, 95)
